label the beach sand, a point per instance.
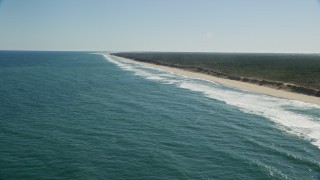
(237, 84)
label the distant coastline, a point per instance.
(272, 88)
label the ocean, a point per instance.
(84, 115)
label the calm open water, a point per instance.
(78, 115)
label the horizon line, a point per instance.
(130, 51)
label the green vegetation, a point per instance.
(299, 69)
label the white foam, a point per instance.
(137, 69)
(270, 107)
(275, 109)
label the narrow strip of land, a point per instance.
(234, 83)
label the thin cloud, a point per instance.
(209, 35)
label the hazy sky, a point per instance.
(161, 25)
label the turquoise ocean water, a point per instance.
(81, 115)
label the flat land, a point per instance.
(236, 84)
(298, 69)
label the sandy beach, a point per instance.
(237, 84)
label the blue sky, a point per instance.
(161, 25)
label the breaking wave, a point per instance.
(290, 115)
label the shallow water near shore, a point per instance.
(85, 116)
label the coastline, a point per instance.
(235, 84)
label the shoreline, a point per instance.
(235, 84)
